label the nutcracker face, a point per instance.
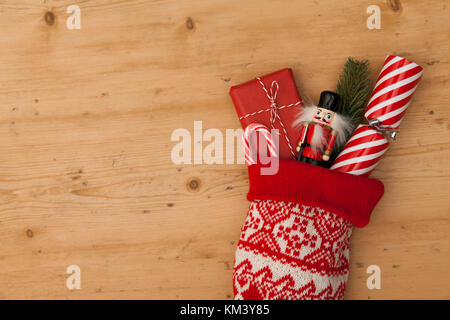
(323, 116)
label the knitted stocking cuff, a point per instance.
(349, 196)
(294, 243)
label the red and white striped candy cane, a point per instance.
(250, 129)
(362, 152)
(393, 91)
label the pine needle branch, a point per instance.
(354, 90)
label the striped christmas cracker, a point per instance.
(387, 105)
(393, 91)
(362, 152)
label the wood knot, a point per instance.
(30, 233)
(193, 184)
(190, 23)
(49, 18)
(394, 5)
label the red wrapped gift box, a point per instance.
(273, 101)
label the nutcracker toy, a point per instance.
(321, 129)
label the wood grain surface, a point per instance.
(86, 118)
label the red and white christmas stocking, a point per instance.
(294, 243)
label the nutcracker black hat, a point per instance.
(329, 100)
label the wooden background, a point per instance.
(86, 117)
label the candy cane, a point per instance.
(256, 127)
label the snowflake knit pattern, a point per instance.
(291, 251)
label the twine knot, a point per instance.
(376, 124)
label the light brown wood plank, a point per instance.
(86, 118)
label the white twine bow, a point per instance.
(274, 115)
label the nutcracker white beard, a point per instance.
(341, 124)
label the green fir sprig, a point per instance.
(354, 90)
